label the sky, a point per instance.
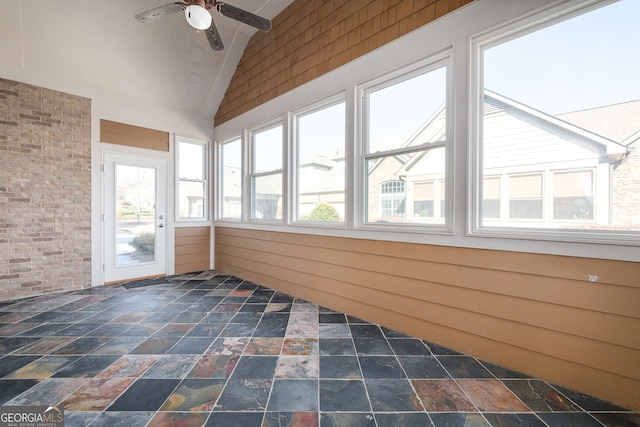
(322, 131)
(391, 122)
(584, 62)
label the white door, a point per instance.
(134, 216)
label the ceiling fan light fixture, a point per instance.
(198, 17)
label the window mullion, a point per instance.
(405, 150)
(266, 173)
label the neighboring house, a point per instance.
(575, 169)
(232, 191)
(626, 186)
(618, 122)
(538, 169)
(543, 170)
(267, 199)
(322, 180)
(410, 187)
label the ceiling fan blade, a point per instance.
(158, 12)
(243, 16)
(214, 37)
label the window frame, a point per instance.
(592, 190)
(294, 150)
(437, 60)
(393, 197)
(510, 213)
(479, 42)
(251, 175)
(456, 32)
(206, 172)
(438, 205)
(219, 216)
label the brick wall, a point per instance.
(45, 191)
(312, 37)
(626, 197)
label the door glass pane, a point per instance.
(135, 215)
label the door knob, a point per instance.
(160, 225)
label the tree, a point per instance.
(323, 212)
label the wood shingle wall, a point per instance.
(312, 37)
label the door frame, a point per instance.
(120, 150)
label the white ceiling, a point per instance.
(99, 44)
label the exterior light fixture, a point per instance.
(198, 17)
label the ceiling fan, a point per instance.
(199, 17)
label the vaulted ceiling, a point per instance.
(97, 44)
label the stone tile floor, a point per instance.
(211, 349)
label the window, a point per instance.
(558, 105)
(192, 179)
(231, 179)
(569, 197)
(266, 173)
(405, 133)
(393, 199)
(428, 199)
(518, 123)
(525, 197)
(320, 139)
(491, 197)
(573, 195)
(423, 199)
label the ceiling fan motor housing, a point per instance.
(197, 15)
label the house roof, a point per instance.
(596, 126)
(318, 160)
(617, 122)
(496, 102)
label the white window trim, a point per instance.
(206, 172)
(294, 161)
(442, 58)
(219, 181)
(249, 199)
(493, 37)
(456, 32)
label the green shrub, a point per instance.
(129, 213)
(324, 212)
(144, 243)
